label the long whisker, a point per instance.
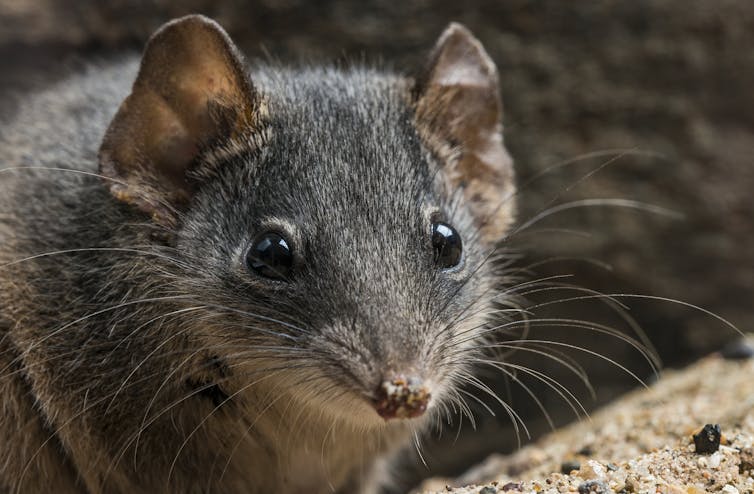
(561, 358)
(615, 154)
(561, 322)
(610, 202)
(151, 353)
(57, 331)
(652, 297)
(510, 375)
(93, 249)
(567, 396)
(66, 170)
(584, 350)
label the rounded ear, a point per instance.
(190, 92)
(458, 113)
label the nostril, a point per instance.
(402, 398)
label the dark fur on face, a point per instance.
(143, 352)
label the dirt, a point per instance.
(642, 443)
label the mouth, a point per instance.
(402, 398)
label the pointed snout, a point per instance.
(402, 397)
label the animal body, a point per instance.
(221, 277)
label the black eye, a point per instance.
(447, 244)
(270, 256)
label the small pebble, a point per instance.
(585, 451)
(593, 487)
(708, 439)
(741, 349)
(592, 470)
(632, 483)
(569, 466)
(746, 456)
(729, 489)
(488, 490)
(675, 489)
(511, 486)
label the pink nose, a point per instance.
(402, 398)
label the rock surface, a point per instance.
(642, 443)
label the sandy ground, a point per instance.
(642, 443)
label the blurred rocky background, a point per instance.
(648, 101)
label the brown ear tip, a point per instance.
(456, 29)
(458, 36)
(180, 42)
(458, 47)
(188, 23)
(458, 33)
(189, 20)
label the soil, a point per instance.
(642, 443)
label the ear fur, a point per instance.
(191, 91)
(459, 115)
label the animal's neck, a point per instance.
(304, 451)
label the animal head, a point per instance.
(336, 225)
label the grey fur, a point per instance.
(239, 384)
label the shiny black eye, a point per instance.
(270, 256)
(447, 245)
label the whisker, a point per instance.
(567, 396)
(653, 297)
(67, 170)
(150, 354)
(57, 331)
(584, 350)
(583, 203)
(93, 249)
